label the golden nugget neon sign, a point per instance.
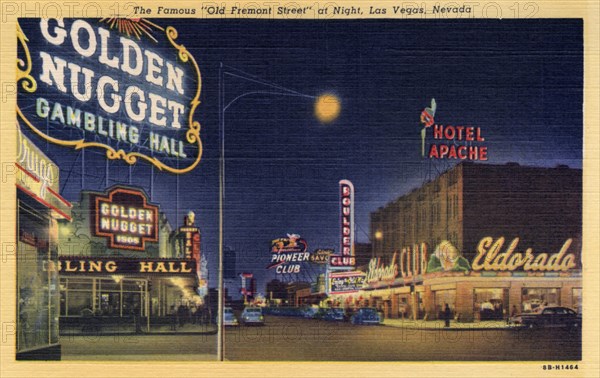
(489, 257)
(121, 96)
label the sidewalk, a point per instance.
(454, 325)
(129, 329)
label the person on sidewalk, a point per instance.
(447, 315)
(513, 314)
(173, 318)
(137, 319)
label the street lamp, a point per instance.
(327, 109)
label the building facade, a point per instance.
(120, 258)
(487, 240)
(40, 208)
(540, 206)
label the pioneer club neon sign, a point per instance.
(105, 83)
(125, 218)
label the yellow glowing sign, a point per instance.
(113, 90)
(489, 257)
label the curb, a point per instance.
(455, 328)
(138, 334)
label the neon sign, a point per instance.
(125, 217)
(38, 176)
(96, 84)
(460, 139)
(321, 256)
(346, 260)
(69, 265)
(287, 254)
(413, 261)
(346, 282)
(489, 257)
(378, 272)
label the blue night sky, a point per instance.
(519, 80)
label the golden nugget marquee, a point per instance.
(125, 86)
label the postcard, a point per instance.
(304, 188)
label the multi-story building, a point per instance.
(540, 206)
(486, 240)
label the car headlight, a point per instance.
(261, 317)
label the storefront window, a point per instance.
(80, 284)
(109, 285)
(443, 297)
(80, 303)
(36, 284)
(577, 300)
(490, 303)
(110, 304)
(534, 298)
(104, 297)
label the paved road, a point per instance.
(135, 348)
(305, 339)
(295, 339)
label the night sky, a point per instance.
(519, 80)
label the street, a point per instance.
(297, 339)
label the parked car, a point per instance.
(365, 315)
(308, 312)
(550, 316)
(253, 316)
(334, 314)
(229, 319)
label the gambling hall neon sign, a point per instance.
(111, 90)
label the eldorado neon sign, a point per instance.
(489, 257)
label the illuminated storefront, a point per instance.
(39, 207)
(125, 261)
(496, 284)
(453, 241)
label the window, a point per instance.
(539, 297)
(37, 294)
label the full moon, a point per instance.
(327, 108)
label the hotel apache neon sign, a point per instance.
(459, 139)
(104, 82)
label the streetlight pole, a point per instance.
(275, 90)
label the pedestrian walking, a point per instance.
(173, 318)
(137, 319)
(447, 315)
(182, 313)
(514, 313)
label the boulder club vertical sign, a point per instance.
(346, 260)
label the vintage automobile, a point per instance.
(253, 316)
(229, 319)
(366, 315)
(549, 316)
(334, 314)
